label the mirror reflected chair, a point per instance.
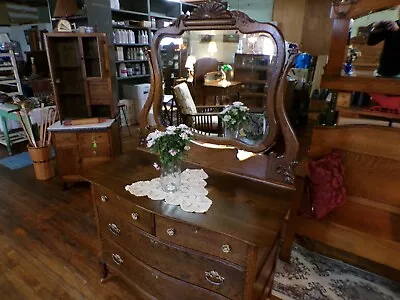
(204, 119)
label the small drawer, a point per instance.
(202, 240)
(100, 137)
(123, 209)
(102, 150)
(158, 284)
(65, 137)
(191, 266)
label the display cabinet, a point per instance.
(80, 74)
(251, 70)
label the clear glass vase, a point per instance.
(231, 133)
(171, 176)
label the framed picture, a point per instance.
(231, 38)
(205, 38)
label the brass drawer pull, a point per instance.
(104, 198)
(171, 231)
(117, 259)
(114, 229)
(226, 248)
(214, 278)
(135, 216)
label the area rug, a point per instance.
(315, 277)
(17, 161)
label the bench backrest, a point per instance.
(371, 159)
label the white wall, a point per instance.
(260, 10)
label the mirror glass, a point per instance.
(374, 45)
(216, 81)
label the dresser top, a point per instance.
(98, 126)
(247, 210)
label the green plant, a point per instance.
(171, 144)
(233, 115)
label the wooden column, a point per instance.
(337, 49)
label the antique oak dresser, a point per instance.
(227, 253)
(230, 251)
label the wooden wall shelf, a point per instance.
(389, 86)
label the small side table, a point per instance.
(215, 88)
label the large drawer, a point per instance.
(100, 137)
(156, 283)
(191, 266)
(87, 150)
(123, 209)
(65, 138)
(202, 240)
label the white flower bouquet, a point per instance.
(233, 115)
(170, 144)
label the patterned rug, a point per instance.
(315, 277)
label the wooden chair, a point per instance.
(368, 223)
(202, 66)
(202, 118)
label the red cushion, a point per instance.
(327, 189)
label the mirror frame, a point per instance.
(214, 16)
(332, 79)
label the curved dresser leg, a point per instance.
(103, 272)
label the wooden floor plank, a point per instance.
(48, 241)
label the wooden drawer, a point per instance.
(65, 137)
(191, 266)
(102, 150)
(202, 240)
(156, 283)
(92, 162)
(101, 137)
(123, 209)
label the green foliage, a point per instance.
(171, 144)
(233, 115)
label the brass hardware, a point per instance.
(104, 198)
(135, 216)
(171, 231)
(114, 229)
(214, 278)
(226, 248)
(117, 259)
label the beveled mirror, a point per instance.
(220, 73)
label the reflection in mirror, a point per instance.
(216, 82)
(374, 45)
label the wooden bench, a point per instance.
(368, 223)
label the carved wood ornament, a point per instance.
(214, 16)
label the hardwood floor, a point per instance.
(48, 240)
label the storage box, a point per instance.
(145, 24)
(137, 91)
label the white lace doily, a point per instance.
(191, 196)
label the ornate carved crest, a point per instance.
(213, 11)
(210, 10)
